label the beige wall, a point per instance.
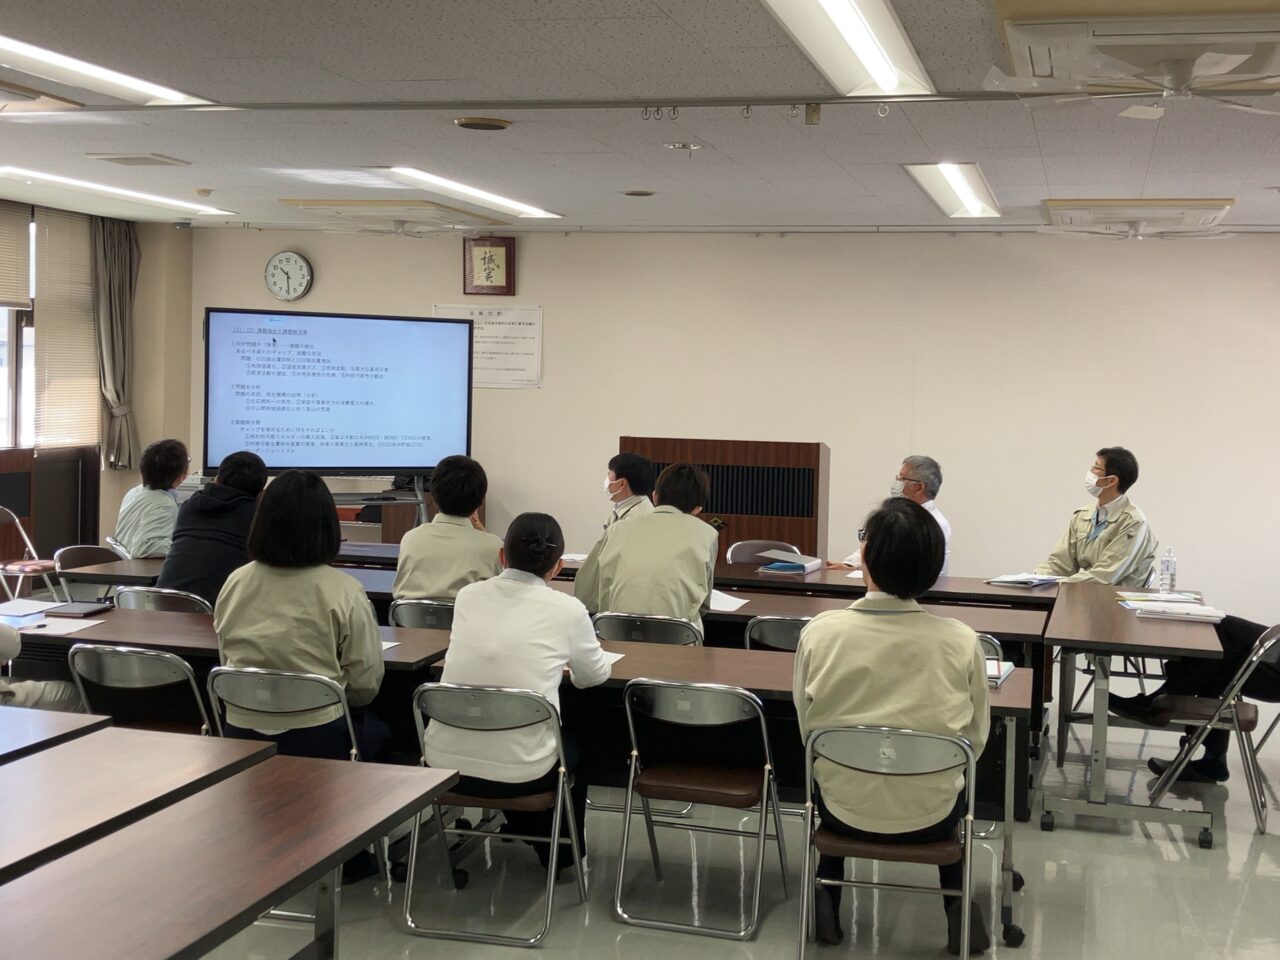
(162, 351)
(1009, 359)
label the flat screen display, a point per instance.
(336, 393)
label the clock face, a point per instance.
(288, 275)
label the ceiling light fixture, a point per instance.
(859, 45)
(37, 61)
(682, 145)
(461, 191)
(959, 189)
(30, 176)
(482, 123)
(637, 193)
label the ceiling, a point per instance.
(768, 172)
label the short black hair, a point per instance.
(458, 486)
(296, 523)
(1122, 465)
(163, 464)
(534, 543)
(905, 548)
(638, 471)
(243, 471)
(684, 486)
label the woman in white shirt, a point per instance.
(515, 631)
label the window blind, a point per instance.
(68, 395)
(15, 255)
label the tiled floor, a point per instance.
(1094, 890)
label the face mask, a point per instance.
(1091, 484)
(607, 484)
(897, 487)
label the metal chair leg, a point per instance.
(806, 883)
(653, 839)
(966, 886)
(1266, 736)
(777, 828)
(575, 844)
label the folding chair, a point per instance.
(1230, 712)
(130, 668)
(699, 705)
(424, 614)
(893, 752)
(117, 548)
(68, 558)
(485, 708)
(28, 565)
(775, 633)
(161, 599)
(647, 628)
(748, 551)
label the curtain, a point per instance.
(116, 256)
(15, 255)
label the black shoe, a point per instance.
(1139, 708)
(827, 927)
(979, 936)
(1204, 770)
(360, 867)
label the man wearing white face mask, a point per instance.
(1108, 541)
(919, 479)
(629, 487)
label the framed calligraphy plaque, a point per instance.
(489, 266)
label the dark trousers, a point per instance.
(538, 823)
(326, 741)
(1197, 677)
(950, 876)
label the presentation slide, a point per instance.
(340, 394)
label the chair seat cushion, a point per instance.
(27, 568)
(939, 853)
(1192, 711)
(529, 803)
(737, 787)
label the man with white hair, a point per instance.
(38, 694)
(919, 479)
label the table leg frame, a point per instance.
(1010, 879)
(324, 943)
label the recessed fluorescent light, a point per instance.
(859, 45)
(30, 176)
(959, 189)
(461, 191)
(60, 68)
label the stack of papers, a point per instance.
(1023, 580)
(60, 627)
(1138, 597)
(1178, 610)
(784, 561)
(998, 671)
(722, 602)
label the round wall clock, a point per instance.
(288, 275)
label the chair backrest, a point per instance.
(131, 668)
(68, 558)
(279, 692)
(640, 628)
(1265, 650)
(991, 648)
(117, 548)
(478, 707)
(892, 752)
(158, 598)
(424, 614)
(748, 551)
(7, 517)
(692, 705)
(775, 633)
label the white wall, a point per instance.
(1009, 359)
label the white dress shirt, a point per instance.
(855, 559)
(513, 631)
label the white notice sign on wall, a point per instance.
(507, 343)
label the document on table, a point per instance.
(722, 602)
(25, 608)
(57, 627)
(612, 658)
(574, 557)
(1023, 580)
(855, 575)
(388, 644)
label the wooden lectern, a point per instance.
(760, 490)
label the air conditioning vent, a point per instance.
(139, 159)
(1156, 216)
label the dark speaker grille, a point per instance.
(759, 491)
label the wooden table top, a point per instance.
(766, 673)
(746, 576)
(191, 634)
(24, 731)
(124, 573)
(1001, 621)
(63, 798)
(185, 879)
(1087, 617)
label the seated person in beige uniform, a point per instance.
(662, 563)
(439, 558)
(36, 694)
(884, 661)
(629, 487)
(1108, 541)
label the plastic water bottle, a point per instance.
(1168, 571)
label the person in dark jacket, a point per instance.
(212, 528)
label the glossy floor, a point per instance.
(1094, 889)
